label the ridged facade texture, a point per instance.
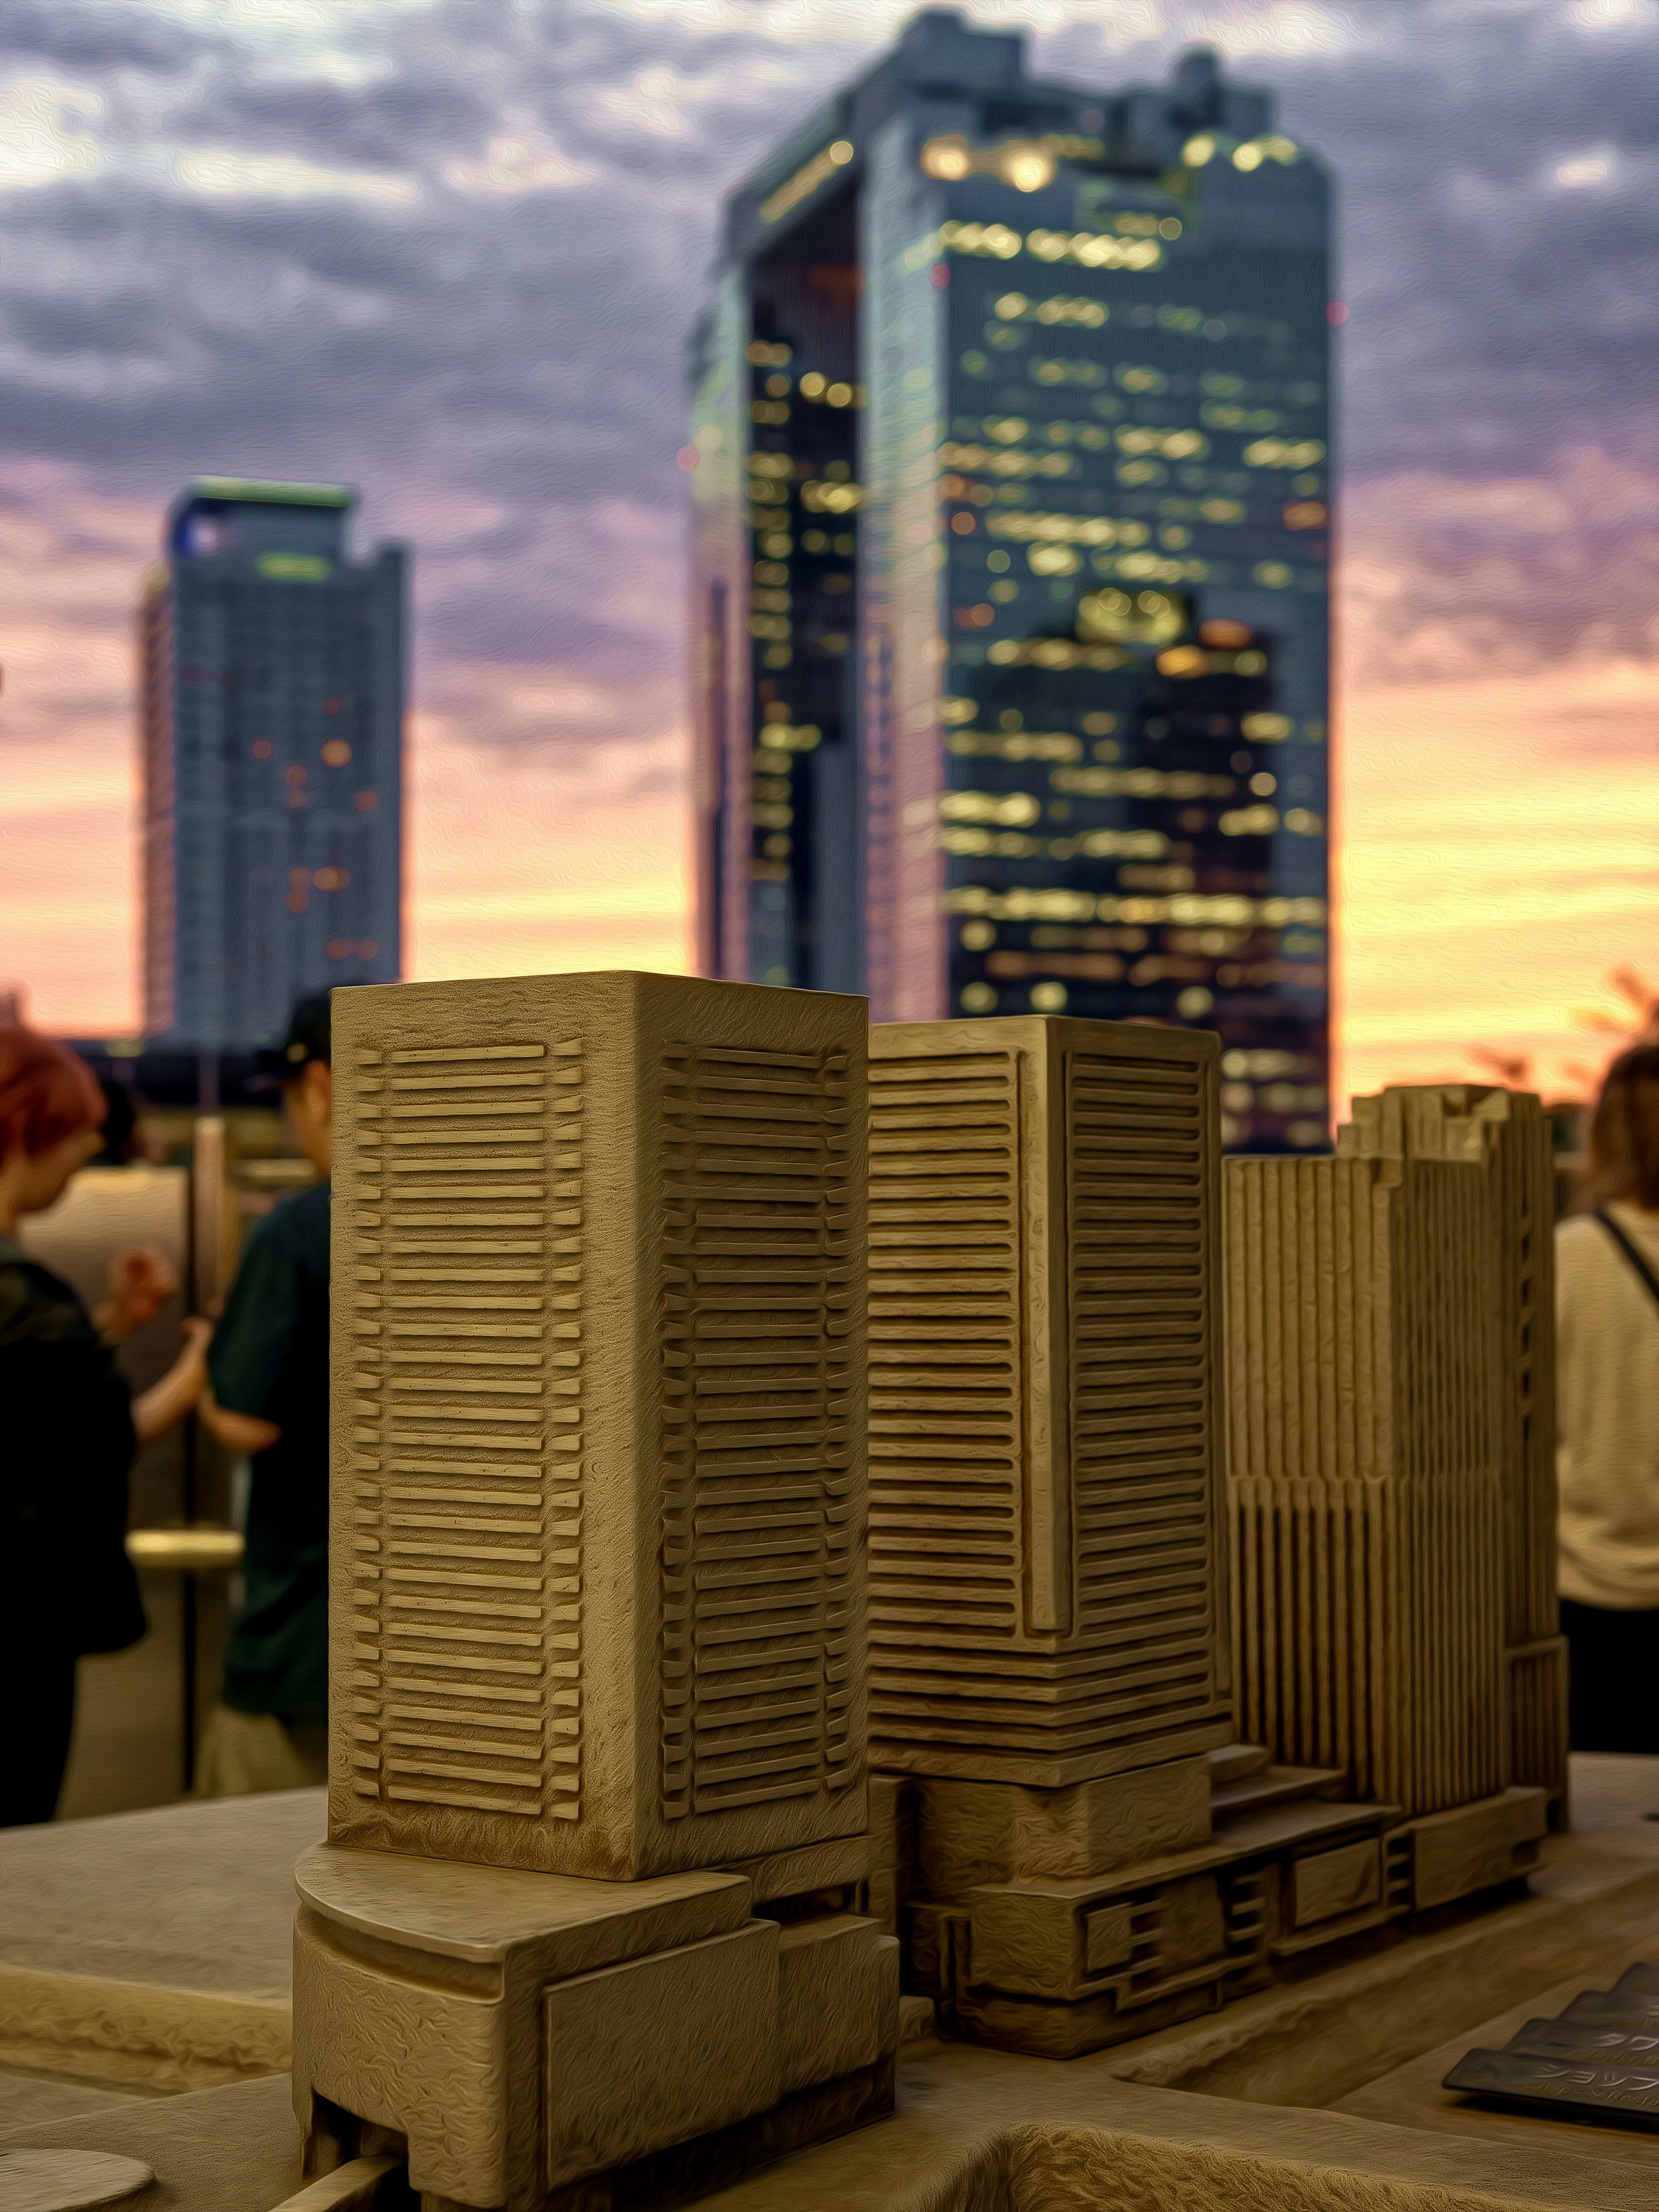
(1507, 1133)
(1363, 1472)
(466, 1562)
(598, 1568)
(762, 1549)
(1044, 1466)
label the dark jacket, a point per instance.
(66, 1446)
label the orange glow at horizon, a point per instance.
(1496, 834)
(1497, 857)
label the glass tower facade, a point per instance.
(271, 711)
(1013, 457)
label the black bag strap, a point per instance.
(1631, 1254)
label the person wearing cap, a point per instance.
(268, 1397)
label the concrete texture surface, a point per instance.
(960, 2113)
(152, 1948)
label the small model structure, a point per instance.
(1076, 1848)
(597, 1800)
(1508, 1131)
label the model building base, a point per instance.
(1191, 1901)
(690, 2171)
(516, 2033)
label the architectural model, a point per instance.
(597, 1802)
(1044, 1447)
(1363, 1474)
(1506, 1129)
(1076, 1847)
(607, 1888)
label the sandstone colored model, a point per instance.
(1506, 1129)
(1046, 1590)
(1075, 1849)
(598, 1810)
(598, 1487)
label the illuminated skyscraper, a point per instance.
(272, 673)
(1012, 463)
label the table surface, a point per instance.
(196, 1896)
(200, 1897)
(236, 2149)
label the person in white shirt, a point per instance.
(1606, 1292)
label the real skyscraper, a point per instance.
(1013, 467)
(273, 681)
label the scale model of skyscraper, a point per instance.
(1078, 1851)
(597, 1800)
(1384, 1434)
(1509, 1130)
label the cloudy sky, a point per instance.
(447, 250)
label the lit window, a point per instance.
(1027, 168)
(948, 159)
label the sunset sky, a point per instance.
(448, 252)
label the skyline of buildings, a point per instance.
(272, 684)
(1012, 450)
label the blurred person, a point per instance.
(120, 1134)
(72, 1425)
(268, 1397)
(1607, 1404)
(128, 1141)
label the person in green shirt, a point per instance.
(268, 1396)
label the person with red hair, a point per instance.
(71, 1426)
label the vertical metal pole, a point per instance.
(208, 1178)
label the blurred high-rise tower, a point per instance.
(272, 669)
(1012, 468)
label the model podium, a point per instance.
(597, 1800)
(1076, 1846)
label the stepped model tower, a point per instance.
(1363, 1472)
(1044, 1449)
(1076, 1849)
(1508, 1130)
(597, 1802)
(1383, 1413)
